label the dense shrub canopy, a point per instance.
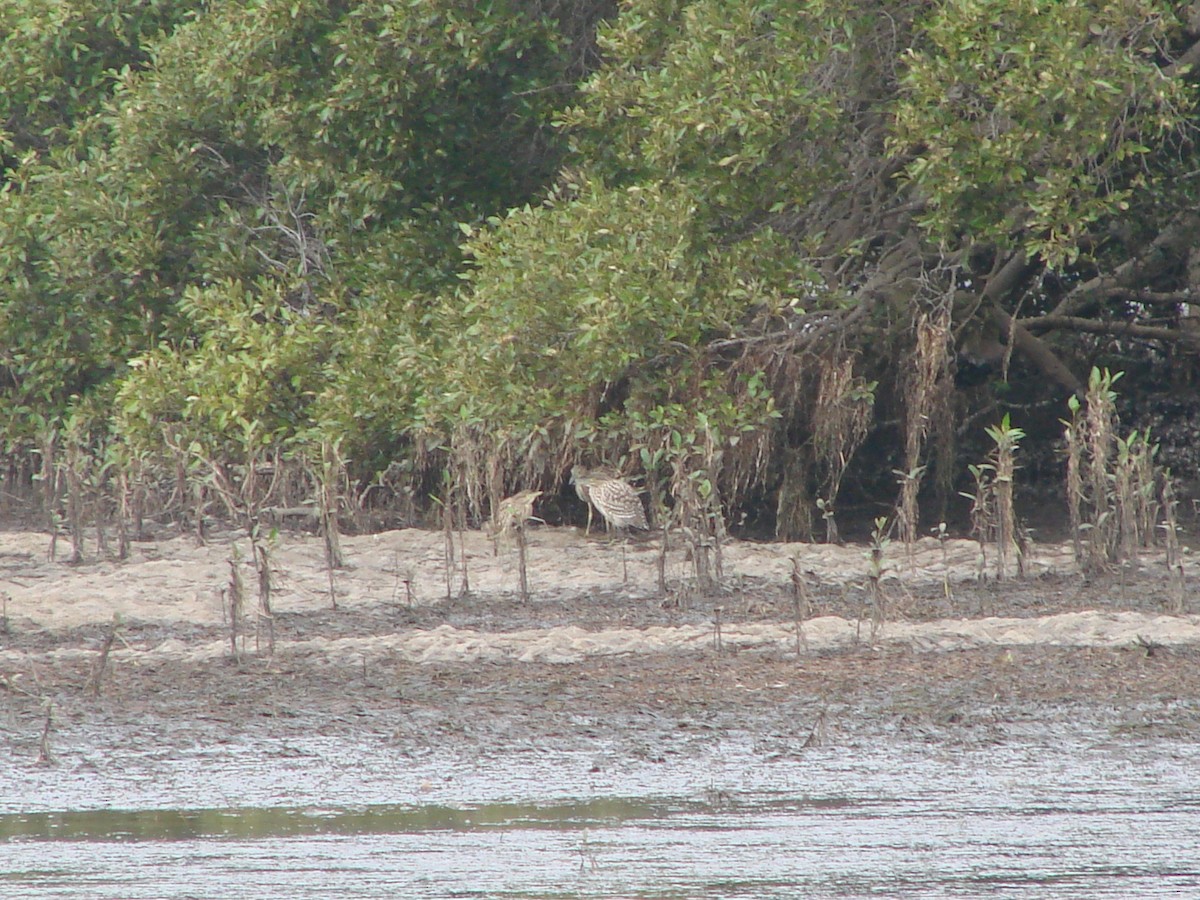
(736, 245)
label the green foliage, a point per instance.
(75, 301)
(377, 392)
(270, 148)
(242, 388)
(1005, 436)
(1026, 121)
(442, 103)
(734, 100)
(572, 295)
(59, 61)
(510, 233)
(1100, 386)
(599, 302)
(676, 435)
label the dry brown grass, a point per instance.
(922, 393)
(841, 417)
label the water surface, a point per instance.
(318, 819)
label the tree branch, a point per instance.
(1190, 57)
(1098, 326)
(1172, 243)
(1004, 282)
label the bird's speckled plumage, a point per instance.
(617, 500)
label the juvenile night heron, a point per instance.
(616, 500)
(511, 515)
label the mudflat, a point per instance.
(614, 644)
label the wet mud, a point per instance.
(598, 655)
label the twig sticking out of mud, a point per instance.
(1007, 439)
(983, 513)
(1112, 480)
(75, 463)
(943, 536)
(262, 563)
(464, 588)
(102, 660)
(801, 607)
(45, 757)
(404, 576)
(875, 570)
(1174, 557)
(1100, 436)
(925, 390)
(234, 594)
(1178, 588)
(448, 541)
(816, 737)
(587, 855)
(51, 478)
(332, 471)
(124, 495)
(332, 586)
(661, 562)
(200, 501)
(717, 610)
(521, 564)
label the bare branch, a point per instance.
(1172, 242)
(1186, 62)
(1005, 281)
(1100, 326)
(1155, 298)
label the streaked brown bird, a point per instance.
(512, 513)
(615, 498)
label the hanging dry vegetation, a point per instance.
(764, 254)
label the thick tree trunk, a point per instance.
(1004, 282)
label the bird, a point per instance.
(615, 498)
(512, 513)
(581, 478)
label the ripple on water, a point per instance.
(319, 819)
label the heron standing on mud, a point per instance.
(615, 498)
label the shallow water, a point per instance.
(317, 819)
